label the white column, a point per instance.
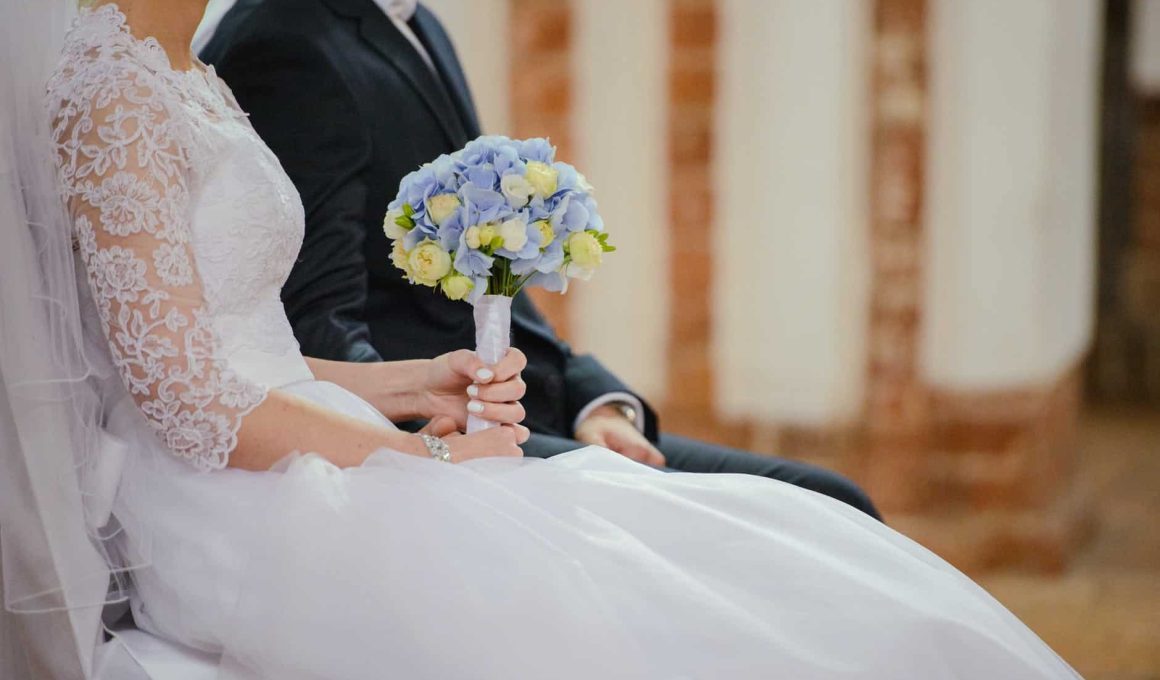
(1146, 46)
(1011, 190)
(620, 89)
(789, 242)
(479, 29)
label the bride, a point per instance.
(272, 518)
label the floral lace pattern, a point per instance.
(127, 146)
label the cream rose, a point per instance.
(487, 234)
(391, 226)
(457, 286)
(428, 263)
(442, 206)
(585, 249)
(546, 233)
(514, 233)
(542, 177)
(399, 258)
(471, 237)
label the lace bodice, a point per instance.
(187, 228)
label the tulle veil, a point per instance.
(58, 568)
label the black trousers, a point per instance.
(690, 455)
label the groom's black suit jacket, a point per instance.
(350, 107)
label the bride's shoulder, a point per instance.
(102, 62)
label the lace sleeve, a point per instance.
(124, 168)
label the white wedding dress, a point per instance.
(583, 566)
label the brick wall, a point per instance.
(692, 80)
(1140, 278)
(541, 98)
(897, 403)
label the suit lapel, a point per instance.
(433, 37)
(377, 30)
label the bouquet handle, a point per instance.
(493, 333)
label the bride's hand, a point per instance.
(458, 382)
(503, 441)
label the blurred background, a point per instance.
(917, 241)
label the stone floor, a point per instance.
(1103, 614)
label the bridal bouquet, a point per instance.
(484, 222)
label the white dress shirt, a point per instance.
(400, 12)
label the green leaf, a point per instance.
(408, 210)
(405, 222)
(607, 248)
(497, 242)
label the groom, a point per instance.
(352, 95)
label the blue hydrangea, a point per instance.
(475, 175)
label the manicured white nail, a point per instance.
(473, 391)
(484, 374)
(475, 406)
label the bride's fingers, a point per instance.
(522, 433)
(440, 426)
(467, 364)
(510, 366)
(497, 412)
(511, 390)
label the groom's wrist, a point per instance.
(621, 405)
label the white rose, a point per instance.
(391, 225)
(575, 271)
(442, 206)
(582, 182)
(517, 190)
(515, 234)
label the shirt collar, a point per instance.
(400, 10)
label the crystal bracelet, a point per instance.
(437, 448)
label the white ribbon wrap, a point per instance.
(493, 338)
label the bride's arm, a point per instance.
(449, 385)
(125, 173)
(283, 423)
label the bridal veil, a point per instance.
(56, 561)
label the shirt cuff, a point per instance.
(611, 397)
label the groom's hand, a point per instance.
(458, 382)
(607, 427)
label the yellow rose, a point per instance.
(472, 237)
(399, 258)
(542, 177)
(545, 232)
(429, 263)
(487, 234)
(585, 249)
(457, 286)
(442, 206)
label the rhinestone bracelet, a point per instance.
(437, 448)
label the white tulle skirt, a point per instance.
(582, 566)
